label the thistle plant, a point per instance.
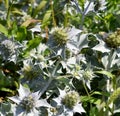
(113, 39)
(70, 101)
(61, 39)
(27, 102)
(57, 55)
(30, 71)
(7, 48)
(60, 35)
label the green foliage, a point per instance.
(67, 54)
(3, 30)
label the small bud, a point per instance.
(31, 72)
(88, 74)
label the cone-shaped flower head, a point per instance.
(71, 99)
(7, 48)
(113, 40)
(60, 35)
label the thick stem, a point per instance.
(51, 78)
(83, 15)
(77, 6)
(45, 88)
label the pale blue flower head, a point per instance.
(70, 102)
(28, 103)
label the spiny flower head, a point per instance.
(7, 48)
(60, 35)
(88, 73)
(113, 40)
(70, 99)
(28, 102)
(30, 70)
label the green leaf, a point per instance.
(90, 99)
(108, 74)
(63, 79)
(100, 93)
(29, 21)
(33, 43)
(3, 30)
(6, 90)
(6, 3)
(39, 7)
(21, 34)
(46, 17)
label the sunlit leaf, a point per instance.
(29, 21)
(3, 29)
(108, 74)
(46, 17)
(33, 43)
(21, 34)
(40, 6)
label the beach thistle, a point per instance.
(113, 39)
(60, 35)
(70, 102)
(7, 48)
(71, 99)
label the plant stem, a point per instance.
(45, 88)
(53, 16)
(87, 94)
(51, 78)
(77, 5)
(83, 15)
(86, 89)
